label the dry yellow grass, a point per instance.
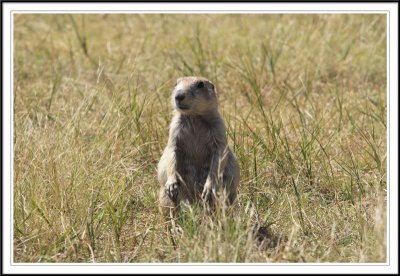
(304, 100)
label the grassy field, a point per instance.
(304, 101)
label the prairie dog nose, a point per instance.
(179, 97)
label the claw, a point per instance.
(172, 190)
(208, 196)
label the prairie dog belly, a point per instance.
(193, 156)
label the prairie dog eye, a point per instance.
(200, 84)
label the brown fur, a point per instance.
(197, 162)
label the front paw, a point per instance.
(208, 194)
(172, 190)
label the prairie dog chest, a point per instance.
(194, 140)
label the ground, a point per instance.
(304, 100)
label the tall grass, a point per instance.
(304, 101)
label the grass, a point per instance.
(304, 101)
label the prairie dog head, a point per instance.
(194, 96)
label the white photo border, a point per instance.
(390, 9)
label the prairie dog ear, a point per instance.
(212, 87)
(178, 80)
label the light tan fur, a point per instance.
(197, 164)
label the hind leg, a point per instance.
(169, 199)
(169, 196)
(231, 179)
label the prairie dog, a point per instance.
(197, 163)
